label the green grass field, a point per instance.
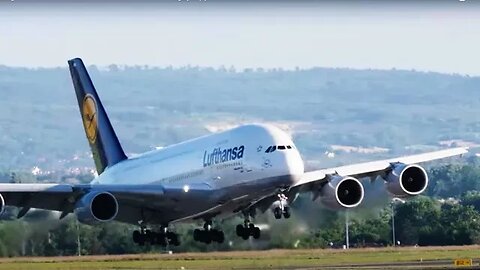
(441, 257)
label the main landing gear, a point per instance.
(208, 235)
(280, 207)
(247, 229)
(161, 238)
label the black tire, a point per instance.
(256, 233)
(171, 235)
(173, 240)
(161, 240)
(217, 236)
(213, 234)
(240, 230)
(286, 212)
(203, 236)
(197, 235)
(136, 236)
(141, 240)
(149, 236)
(207, 237)
(153, 238)
(220, 237)
(277, 213)
(176, 242)
(246, 235)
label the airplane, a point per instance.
(240, 171)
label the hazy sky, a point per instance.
(439, 36)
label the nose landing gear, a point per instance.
(281, 207)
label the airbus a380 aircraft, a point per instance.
(238, 171)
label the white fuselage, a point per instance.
(223, 161)
(215, 159)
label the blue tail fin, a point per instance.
(106, 148)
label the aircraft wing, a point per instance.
(376, 168)
(44, 196)
(152, 199)
(311, 181)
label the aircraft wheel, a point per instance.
(207, 237)
(141, 240)
(277, 213)
(256, 233)
(239, 230)
(153, 238)
(136, 236)
(243, 231)
(286, 212)
(149, 237)
(173, 238)
(197, 235)
(220, 237)
(162, 240)
(217, 236)
(202, 236)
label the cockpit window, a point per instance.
(272, 148)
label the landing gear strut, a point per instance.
(161, 238)
(208, 235)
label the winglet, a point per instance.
(106, 148)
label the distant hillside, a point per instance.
(40, 124)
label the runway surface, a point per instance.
(364, 258)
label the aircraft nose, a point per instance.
(294, 164)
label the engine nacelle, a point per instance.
(2, 204)
(342, 192)
(96, 207)
(406, 180)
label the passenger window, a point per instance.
(281, 147)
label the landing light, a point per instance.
(186, 188)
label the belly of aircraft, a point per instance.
(219, 203)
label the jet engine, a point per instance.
(96, 207)
(406, 180)
(341, 192)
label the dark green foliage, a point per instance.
(472, 198)
(454, 180)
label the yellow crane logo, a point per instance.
(89, 116)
